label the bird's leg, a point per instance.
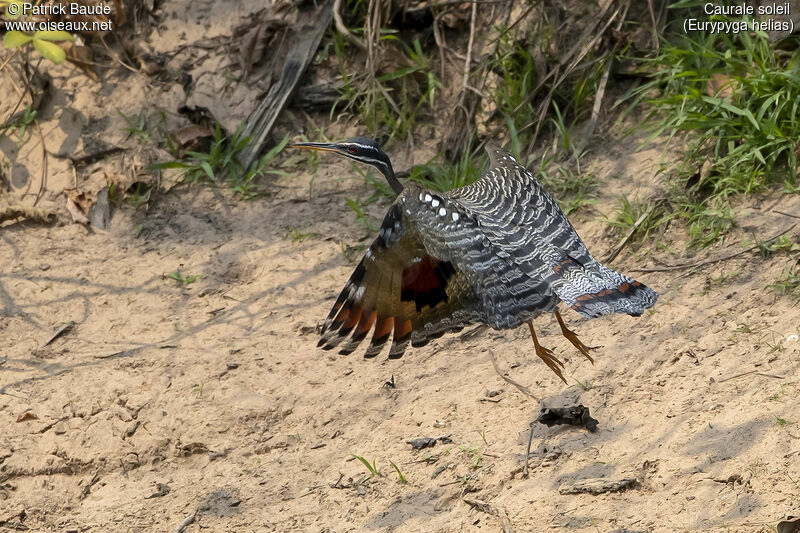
(571, 337)
(547, 356)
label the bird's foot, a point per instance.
(551, 361)
(576, 342)
(573, 338)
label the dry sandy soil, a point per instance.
(162, 402)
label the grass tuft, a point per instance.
(734, 99)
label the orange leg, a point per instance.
(571, 337)
(547, 356)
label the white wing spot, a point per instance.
(421, 196)
(359, 293)
(427, 197)
(442, 211)
(435, 202)
(455, 217)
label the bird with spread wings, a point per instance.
(498, 252)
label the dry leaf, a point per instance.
(82, 57)
(27, 416)
(79, 204)
(189, 138)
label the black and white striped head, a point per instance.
(360, 149)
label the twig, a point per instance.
(452, 3)
(764, 374)
(186, 523)
(522, 388)
(341, 28)
(43, 179)
(528, 452)
(61, 330)
(468, 60)
(654, 35)
(90, 484)
(737, 376)
(627, 237)
(598, 101)
(490, 509)
(671, 268)
(116, 58)
(570, 68)
(9, 59)
(784, 214)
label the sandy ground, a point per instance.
(159, 402)
(163, 401)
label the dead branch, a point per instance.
(684, 266)
(522, 388)
(35, 214)
(341, 28)
(488, 508)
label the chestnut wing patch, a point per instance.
(400, 290)
(425, 282)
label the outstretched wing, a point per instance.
(520, 218)
(416, 280)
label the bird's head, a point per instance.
(361, 149)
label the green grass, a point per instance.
(628, 212)
(390, 101)
(220, 164)
(734, 100)
(139, 127)
(515, 63)
(20, 123)
(784, 243)
(297, 236)
(372, 468)
(184, 280)
(442, 176)
(788, 284)
(400, 475)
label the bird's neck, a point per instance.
(394, 183)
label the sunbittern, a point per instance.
(499, 252)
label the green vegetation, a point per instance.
(731, 99)
(788, 284)
(392, 100)
(20, 123)
(400, 475)
(220, 164)
(181, 279)
(43, 41)
(734, 99)
(372, 468)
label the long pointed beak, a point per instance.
(327, 147)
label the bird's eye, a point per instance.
(352, 149)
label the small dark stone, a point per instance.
(576, 415)
(422, 442)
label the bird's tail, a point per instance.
(601, 291)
